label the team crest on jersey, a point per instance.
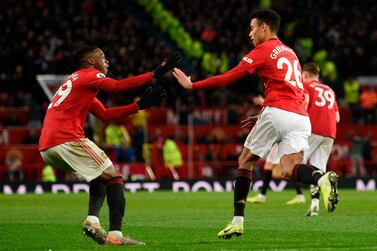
(248, 60)
(100, 75)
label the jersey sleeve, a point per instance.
(221, 80)
(104, 114)
(99, 81)
(113, 85)
(252, 61)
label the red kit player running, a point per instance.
(324, 115)
(284, 119)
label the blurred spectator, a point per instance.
(99, 132)
(368, 102)
(4, 137)
(139, 122)
(117, 136)
(20, 99)
(208, 34)
(35, 114)
(138, 140)
(33, 136)
(233, 114)
(356, 154)
(139, 119)
(351, 95)
(172, 156)
(48, 174)
(367, 148)
(88, 130)
(13, 163)
(217, 136)
(211, 160)
(12, 120)
(5, 99)
(212, 154)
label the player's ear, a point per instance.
(90, 60)
(264, 26)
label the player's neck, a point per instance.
(312, 79)
(270, 36)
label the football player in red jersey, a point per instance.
(63, 144)
(284, 119)
(322, 107)
(324, 115)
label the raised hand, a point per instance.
(182, 78)
(249, 122)
(151, 97)
(166, 65)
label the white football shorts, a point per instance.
(319, 151)
(290, 130)
(273, 156)
(82, 156)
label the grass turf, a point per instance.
(190, 221)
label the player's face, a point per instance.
(100, 61)
(257, 32)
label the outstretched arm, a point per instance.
(221, 80)
(108, 114)
(149, 98)
(113, 85)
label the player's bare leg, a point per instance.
(241, 190)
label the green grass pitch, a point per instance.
(190, 221)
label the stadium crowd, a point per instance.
(40, 36)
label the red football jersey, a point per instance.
(279, 68)
(68, 110)
(322, 108)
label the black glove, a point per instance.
(166, 65)
(151, 97)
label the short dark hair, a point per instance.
(81, 53)
(268, 16)
(312, 68)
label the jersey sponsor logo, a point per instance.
(248, 60)
(100, 75)
(74, 76)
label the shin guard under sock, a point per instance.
(97, 194)
(306, 173)
(266, 181)
(241, 190)
(117, 202)
(298, 188)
